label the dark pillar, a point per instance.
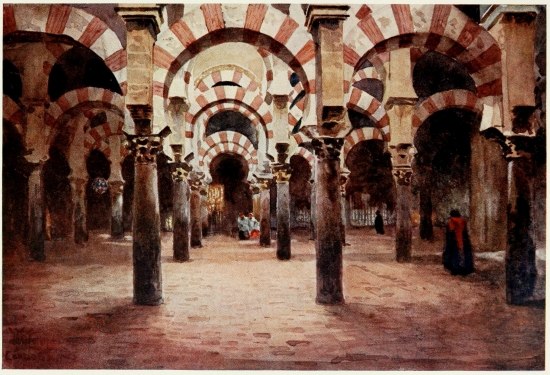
(328, 243)
(281, 173)
(181, 210)
(402, 172)
(116, 189)
(146, 219)
(80, 231)
(521, 272)
(313, 205)
(36, 213)
(195, 204)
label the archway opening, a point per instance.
(57, 195)
(230, 171)
(370, 186)
(442, 163)
(232, 121)
(98, 198)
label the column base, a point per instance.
(330, 300)
(142, 301)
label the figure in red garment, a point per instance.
(457, 255)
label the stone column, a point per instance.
(426, 208)
(328, 243)
(195, 210)
(265, 179)
(402, 172)
(256, 199)
(117, 226)
(78, 187)
(181, 197)
(146, 219)
(36, 213)
(205, 225)
(313, 205)
(521, 272)
(344, 176)
(281, 173)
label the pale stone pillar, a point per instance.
(521, 271)
(80, 229)
(181, 206)
(265, 212)
(146, 219)
(256, 199)
(328, 244)
(344, 176)
(195, 209)
(402, 172)
(281, 173)
(116, 189)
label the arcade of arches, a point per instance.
(154, 121)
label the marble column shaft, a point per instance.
(36, 213)
(181, 215)
(196, 219)
(328, 243)
(80, 229)
(282, 177)
(403, 225)
(117, 226)
(265, 214)
(521, 272)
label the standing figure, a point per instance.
(242, 223)
(457, 255)
(379, 223)
(254, 226)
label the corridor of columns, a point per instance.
(135, 135)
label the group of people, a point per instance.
(249, 227)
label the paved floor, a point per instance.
(234, 306)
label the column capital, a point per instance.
(116, 187)
(180, 171)
(145, 147)
(402, 175)
(281, 173)
(141, 16)
(327, 147)
(402, 154)
(317, 12)
(282, 152)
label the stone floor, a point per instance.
(235, 306)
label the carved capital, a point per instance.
(255, 188)
(282, 152)
(403, 176)
(180, 171)
(265, 183)
(327, 147)
(402, 154)
(116, 187)
(281, 173)
(145, 148)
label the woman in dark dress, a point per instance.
(457, 255)
(379, 223)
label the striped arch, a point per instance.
(259, 24)
(230, 142)
(462, 99)
(83, 27)
(360, 135)
(306, 154)
(12, 112)
(442, 28)
(205, 115)
(364, 103)
(300, 138)
(233, 74)
(92, 97)
(113, 126)
(268, 66)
